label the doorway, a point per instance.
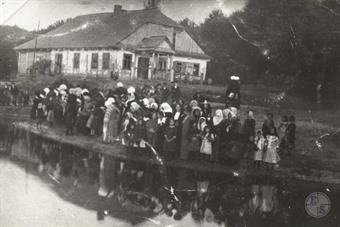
(58, 64)
(143, 68)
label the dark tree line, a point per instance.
(291, 44)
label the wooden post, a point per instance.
(36, 43)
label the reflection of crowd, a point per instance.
(204, 197)
(158, 115)
(10, 95)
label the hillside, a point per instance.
(14, 35)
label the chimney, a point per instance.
(117, 9)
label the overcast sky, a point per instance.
(27, 13)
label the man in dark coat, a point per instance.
(233, 94)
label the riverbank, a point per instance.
(118, 151)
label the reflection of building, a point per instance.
(142, 44)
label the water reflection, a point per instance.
(151, 195)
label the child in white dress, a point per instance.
(271, 156)
(206, 146)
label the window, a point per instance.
(76, 57)
(127, 61)
(196, 69)
(178, 67)
(94, 61)
(106, 60)
(162, 64)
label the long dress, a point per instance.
(206, 146)
(106, 121)
(151, 129)
(113, 123)
(258, 155)
(184, 153)
(169, 148)
(271, 156)
(36, 101)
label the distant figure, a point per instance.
(261, 145)
(318, 93)
(40, 114)
(233, 93)
(291, 128)
(268, 124)
(283, 132)
(36, 101)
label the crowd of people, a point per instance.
(159, 116)
(10, 95)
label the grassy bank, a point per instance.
(254, 95)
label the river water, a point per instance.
(44, 183)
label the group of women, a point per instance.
(154, 116)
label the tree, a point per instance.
(230, 53)
(8, 60)
(299, 39)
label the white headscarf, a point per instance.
(110, 101)
(165, 107)
(218, 118)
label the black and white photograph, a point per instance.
(170, 113)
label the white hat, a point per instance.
(154, 105)
(131, 90)
(233, 111)
(234, 77)
(146, 102)
(62, 87)
(84, 91)
(120, 84)
(134, 106)
(78, 91)
(110, 101)
(165, 107)
(62, 92)
(46, 90)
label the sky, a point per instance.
(27, 13)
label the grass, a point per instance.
(312, 121)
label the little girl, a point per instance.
(130, 134)
(206, 146)
(170, 136)
(271, 157)
(40, 115)
(261, 145)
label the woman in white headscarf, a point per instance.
(218, 128)
(111, 121)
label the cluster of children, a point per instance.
(158, 116)
(10, 95)
(270, 142)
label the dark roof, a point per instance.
(98, 30)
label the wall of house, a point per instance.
(25, 59)
(115, 65)
(202, 62)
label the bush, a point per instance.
(41, 67)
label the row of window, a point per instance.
(127, 61)
(185, 68)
